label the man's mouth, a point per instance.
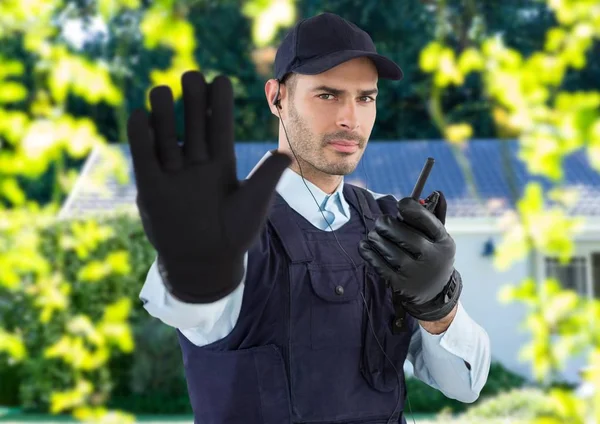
(345, 146)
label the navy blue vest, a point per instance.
(303, 349)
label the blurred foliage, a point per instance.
(525, 404)
(426, 399)
(62, 340)
(61, 323)
(223, 43)
(151, 380)
(105, 263)
(532, 100)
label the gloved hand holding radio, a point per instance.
(415, 255)
(200, 219)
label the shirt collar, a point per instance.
(291, 187)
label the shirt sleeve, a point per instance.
(456, 362)
(202, 323)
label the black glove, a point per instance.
(195, 212)
(415, 255)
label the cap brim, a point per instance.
(386, 68)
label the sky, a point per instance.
(76, 32)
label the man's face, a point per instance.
(331, 116)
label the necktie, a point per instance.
(327, 207)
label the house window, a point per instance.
(572, 275)
(596, 273)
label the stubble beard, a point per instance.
(309, 149)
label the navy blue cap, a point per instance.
(317, 44)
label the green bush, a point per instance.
(522, 404)
(37, 375)
(152, 379)
(9, 389)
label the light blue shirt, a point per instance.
(438, 360)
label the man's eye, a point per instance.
(328, 96)
(325, 94)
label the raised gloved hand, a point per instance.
(195, 212)
(415, 255)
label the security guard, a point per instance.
(298, 298)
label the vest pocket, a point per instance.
(248, 385)
(335, 307)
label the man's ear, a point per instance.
(273, 92)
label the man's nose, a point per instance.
(348, 117)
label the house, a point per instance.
(473, 220)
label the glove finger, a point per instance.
(436, 204)
(165, 129)
(376, 260)
(143, 152)
(396, 254)
(431, 202)
(146, 222)
(220, 126)
(248, 206)
(412, 213)
(390, 230)
(194, 104)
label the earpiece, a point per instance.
(276, 100)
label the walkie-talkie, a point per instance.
(418, 189)
(398, 321)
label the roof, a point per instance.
(389, 167)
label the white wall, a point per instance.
(482, 282)
(481, 285)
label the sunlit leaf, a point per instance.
(12, 92)
(593, 149)
(458, 133)
(119, 262)
(99, 415)
(89, 80)
(429, 56)
(554, 39)
(61, 401)
(470, 60)
(268, 16)
(448, 72)
(12, 191)
(13, 345)
(13, 125)
(50, 294)
(93, 271)
(117, 311)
